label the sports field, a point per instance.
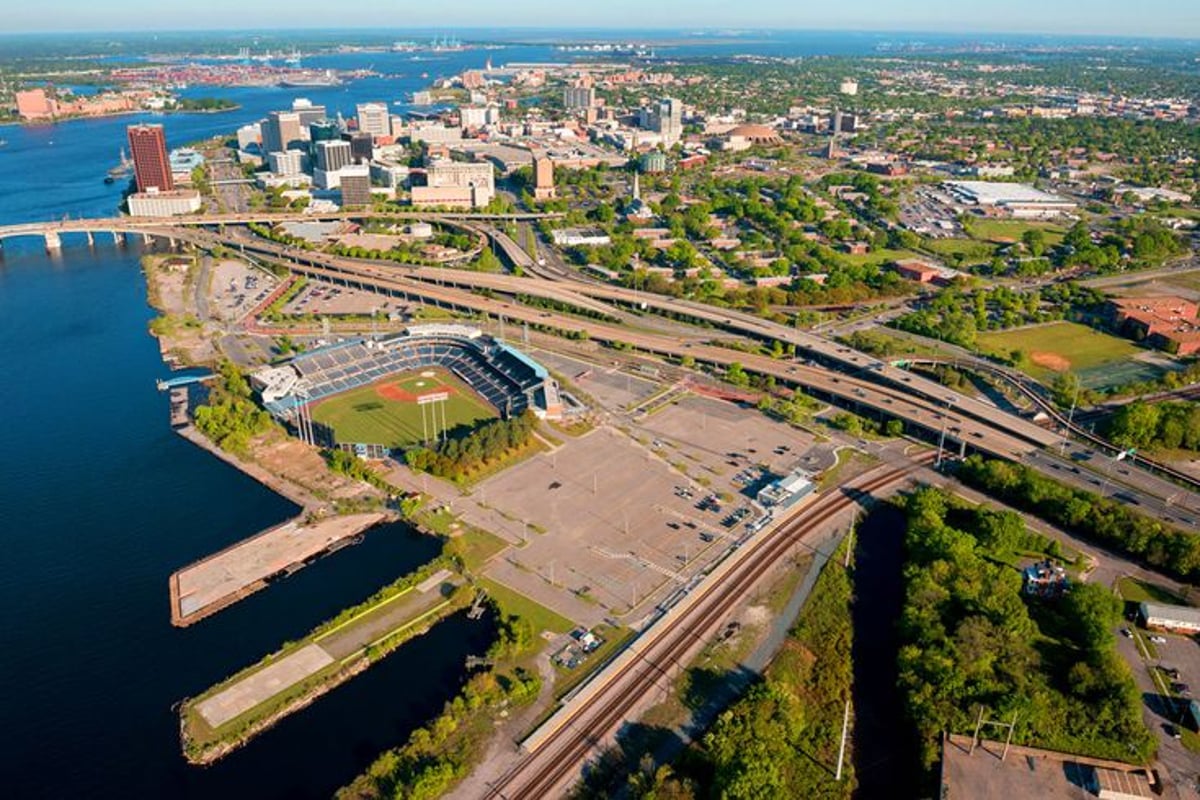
(1098, 358)
(388, 412)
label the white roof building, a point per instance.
(1019, 199)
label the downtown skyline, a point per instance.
(1154, 18)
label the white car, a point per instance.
(1158, 639)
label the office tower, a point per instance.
(356, 186)
(332, 156)
(576, 97)
(307, 112)
(148, 145)
(543, 178)
(373, 118)
(281, 131)
(289, 162)
(362, 146)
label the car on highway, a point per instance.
(1158, 639)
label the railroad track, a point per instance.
(570, 743)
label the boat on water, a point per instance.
(311, 81)
(121, 170)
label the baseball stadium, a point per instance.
(406, 389)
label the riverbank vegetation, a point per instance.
(971, 640)
(230, 417)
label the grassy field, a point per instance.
(1062, 346)
(878, 257)
(1137, 591)
(387, 413)
(513, 602)
(973, 252)
(1004, 231)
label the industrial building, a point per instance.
(1016, 199)
(154, 203)
(787, 491)
(1180, 619)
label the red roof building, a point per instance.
(1168, 323)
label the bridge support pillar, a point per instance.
(118, 239)
(53, 242)
(962, 449)
(146, 240)
(90, 239)
(172, 241)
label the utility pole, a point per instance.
(842, 747)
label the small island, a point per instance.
(203, 105)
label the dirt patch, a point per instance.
(394, 391)
(1052, 361)
(304, 466)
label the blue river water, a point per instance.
(100, 502)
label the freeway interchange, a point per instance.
(823, 367)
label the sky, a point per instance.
(1169, 18)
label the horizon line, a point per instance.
(729, 29)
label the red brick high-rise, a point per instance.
(148, 146)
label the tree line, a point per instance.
(458, 456)
(969, 639)
(1115, 525)
(230, 417)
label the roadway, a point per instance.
(959, 430)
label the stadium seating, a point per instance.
(507, 379)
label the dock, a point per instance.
(179, 407)
(236, 710)
(216, 582)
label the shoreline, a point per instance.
(48, 123)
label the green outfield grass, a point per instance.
(1063, 345)
(366, 415)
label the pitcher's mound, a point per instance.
(1051, 361)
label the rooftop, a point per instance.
(1174, 613)
(988, 193)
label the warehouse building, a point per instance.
(1180, 619)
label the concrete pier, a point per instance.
(53, 242)
(211, 584)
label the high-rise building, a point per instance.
(281, 131)
(289, 162)
(473, 117)
(576, 97)
(665, 117)
(332, 156)
(373, 118)
(543, 178)
(148, 145)
(249, 137)
(308, 112)
(356, 186)
(362, 146)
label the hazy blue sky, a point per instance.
(1176, 18)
